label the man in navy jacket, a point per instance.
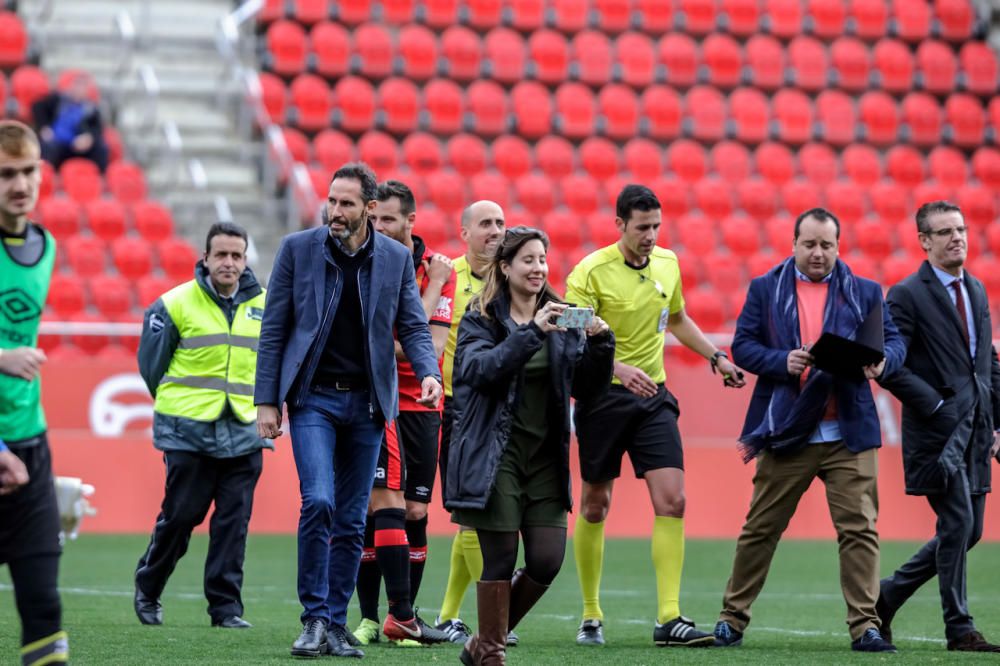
(804, 423)
(327, 350)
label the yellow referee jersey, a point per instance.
(635, 302)
(467, 285)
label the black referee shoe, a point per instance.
(149, 611)
(680, 632)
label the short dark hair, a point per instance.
(394, 188)
(635, 197)
(362, 173)
(821, 214)
(933, 208)
(226, 229)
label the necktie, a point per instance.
(960, 306)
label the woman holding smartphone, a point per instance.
(508, 465)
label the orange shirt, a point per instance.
(811, 298)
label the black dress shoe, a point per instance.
(337, 644)
(312, 641)
(232, 622)
(149, 611)
(972, 642)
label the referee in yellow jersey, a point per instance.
(635, 286)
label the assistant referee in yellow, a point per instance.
(635, 286)
(198, 356)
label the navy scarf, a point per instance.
(794, 412)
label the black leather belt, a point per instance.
(342, 385)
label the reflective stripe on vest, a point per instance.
(214, 363)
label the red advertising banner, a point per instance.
(100, 413)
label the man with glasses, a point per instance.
(950, 390)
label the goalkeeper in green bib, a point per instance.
(29, 516)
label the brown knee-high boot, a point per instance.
(524, 594)
(488, 647)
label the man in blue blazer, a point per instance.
(327, 350)
(805, 423)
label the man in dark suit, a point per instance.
(950, 390)
(336, 294)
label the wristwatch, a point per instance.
(715, 359)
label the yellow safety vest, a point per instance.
(214, 362)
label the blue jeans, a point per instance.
(336, 444)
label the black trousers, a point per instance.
(959, 528)
(194, 482)
(30, 545)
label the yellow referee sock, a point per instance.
(588, 549)
(473, 554)
(458, 581)
(668, 561)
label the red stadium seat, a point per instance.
(111, 294)
(320, 181)
(418, 49)
(619, 107)
(133, 257)
(931, 190)
(351, 12)
(758, 199)
(599, 157)
(106, 218)
(569, 15)
(86, 255)
(696, 233)
(66, 296)
(978, 204)
(967, 118)
(742, 16)
(81, 180)
(809, 63)
(846, 200)
(656, 16)
(687, 160)
(793, 113)
(311, 99)
(799, 195)
(555, 156)
(890, 201)
(875, 239)
(13, 40)
(440, 13)
(690, 268)
(272, 10)
(956, 17)
(818, 162)
(827, 17)
(879, 117)
(483, 14)
(679, 53)
(374, 48)
(897, 268)
(905, 165)
(274, 96)
(447, 191)
(296, 142)
(566, 233)
(852, 63)
(507, 55)
(637, 57)
(923, 118)
(835, 112)
(60, 215)
(150, 288)
(399, 100)
(466, 154)
(492, 186)
(576, 108)
(661, 112)
(613, 15)
(766, 62)
(698, 16)
(355, 104)
(775, 162)
(488, 108)
(731, 161)
(783, 18)
(462, 53)
(948, 166)
(979, 68)
(332, 45)
(994, 112)
(986, 166)
(333, 149)
(707, 109)
(422, 153)
(749, 110)
(153, 221)
(535, 193)
(987, 269)
(286, 44)
(674, 195)
(937, 66)
(398, 11)
(871, 18)
(28, 84)
(780, 231)
(379, 151)
(601, 228)
(177, 259)
(592, 57)
(3, 93)
(913, 19)
(724, 271)
(532, 109)
(445, 104)
(313, 11)
(527, 15)
(613, 186)
(993, 239)
(895, 65)
(714, 197)
(724, 60)
(549, 54)
(512, 156)
(580, 193)
(761, 263)
(48, 185)
(432, 227)
(643, 159)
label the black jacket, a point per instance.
(489, 364)
(937, 440)
(45, 110)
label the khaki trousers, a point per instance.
(851, 494)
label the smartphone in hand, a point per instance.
(575, 318)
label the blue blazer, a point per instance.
(302, 298)
(755, 350)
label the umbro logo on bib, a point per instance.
(18, 307)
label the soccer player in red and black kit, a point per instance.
(396, 533)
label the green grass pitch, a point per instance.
(799, 618)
